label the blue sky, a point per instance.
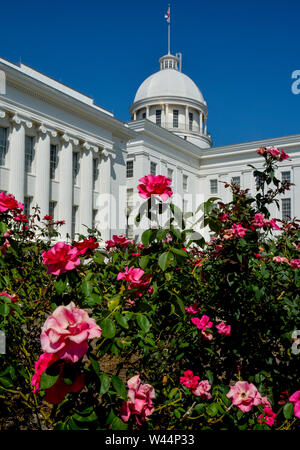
(240, 54)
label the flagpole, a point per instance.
(169, 31)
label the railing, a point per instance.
(183, 128)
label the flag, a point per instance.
(167, 16)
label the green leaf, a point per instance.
(105, 381)
(86, 288)
(143, 322)
(210, 376)
(288, 410)
(146, 236)
(122, 320)
(119, 386)
(60, 286)
(91, 418)
(118, 424)
(108, 328)
(181, 305)
(95, 365)
(4, 309)
(161, 234)
(165, 259)
(144, 261)
(212, 409)
(179, 252)
(47, 381)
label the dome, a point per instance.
(169, 83)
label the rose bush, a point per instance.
(207, 326)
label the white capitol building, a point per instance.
(60, 150)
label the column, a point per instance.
(104, 203)
(167, 116)
(17, 159)
(186, 118)
(86, 189)
(201, 122)
(163, 116)
(42, 183)
(66, 185)
(147, 112)
(205, 126)
(134, 116)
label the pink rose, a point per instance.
(47, 217)
(118, 241)
(4, 247)
(202, 390)
(280, 259)
(295, 399)
(56, 393)
(189, 380)
(8, 203)
(44, 361)
(261, 151)
(134, 276)
(268, 417)
(140, 401)
(60, 258)
(194, 309)
(224, 329)
(295, 263)
(244, 395)
(272, 223)
(66, 332)
(222, 217)
(13, 297)
(155, 185)
(238, 230)
(202, 323)
(258, 220)
(86, 246)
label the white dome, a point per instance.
(169, 83)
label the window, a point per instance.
(286, 208)
(52, 206)
(75, 166)
(144, 115)
(236, 180)
(74, 216)
(95, 172)
(170, 174)
(153, 168)
(29, 153)
(175, 118)
(27, 205)
(191, 118)
(185, 182)
(286, 176)
(158, 117)
(3, 145)
(53, 160)
(129, 169)
(213, 186)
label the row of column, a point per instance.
(42, 174)
(165, 118)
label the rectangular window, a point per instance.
(144, 115)
(236, 180)
(185, 182)
(27, 205)
(158, 116)
(191, 118)
(286, 208)
(53, 160)
(286, 176)
(129, 169)
(153, 168)
(3, 145)
(95, 173)
(175, 118)
(74, 216)
(170, 174)
(213, 186)
(75, 167)
(29, 153)
(52, 206)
